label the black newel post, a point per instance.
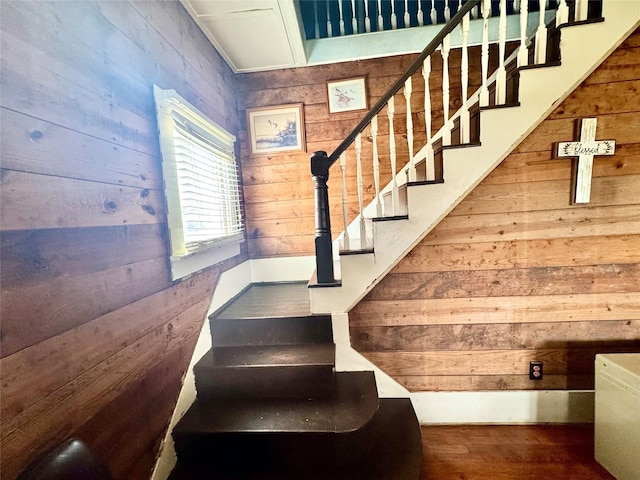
(324, 248)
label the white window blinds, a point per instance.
(208, 185)
(202, 183)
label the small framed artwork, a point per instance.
(276, 129)
(347, 95)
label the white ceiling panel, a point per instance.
(251, 35)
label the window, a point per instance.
(202, 185)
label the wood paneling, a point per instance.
(96, 337)
(517, 273)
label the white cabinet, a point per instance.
(617, 414)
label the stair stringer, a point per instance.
(583, 48)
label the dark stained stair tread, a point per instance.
(396, 454)
(269, 355)
(352, 405)
(272, 299)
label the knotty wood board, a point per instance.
(554, 280)
(595, 250)
(542, 166)
(531, 308)
(494, 336)
(300, 245)
(565, 223)
(36, 256)
(621, 126)
(548, 195)
(621, 97)
(68, 302)
(35, 146)
(557, 361)
(73, 203)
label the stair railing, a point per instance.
(493, 89)
(336, 18)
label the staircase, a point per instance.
(526, 86)
(270, 404)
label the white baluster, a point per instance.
(444, 50)
(380, 19)
(341, 18)
(475, 12)
(316, 21)
(516, 5)
(465, 117)
(408, 90)
(354, 17)
(394, 19)
(420, 14)
(395, 204)
(433, 13)
(484, 89)
(329, 26)
(501, 74)
(345, 217)
(363, 231)
(367, 20)
(376, 164)
(562, 14)
(523, 52)
(582, 7)
(426, 72)
(407, 18)
(541, 38)
(447, 11)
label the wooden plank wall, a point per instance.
(278, 188)
(516, 273)
(95, 335)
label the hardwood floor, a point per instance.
(527, 452)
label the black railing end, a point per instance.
(320, 164)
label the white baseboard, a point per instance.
(507, 407)
(282, 269)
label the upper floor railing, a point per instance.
(335, 18)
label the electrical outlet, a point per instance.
(535, 370)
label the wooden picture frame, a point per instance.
(276, 129)
(347, 95)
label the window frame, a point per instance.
(185, 261)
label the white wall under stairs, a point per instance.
(583, 49)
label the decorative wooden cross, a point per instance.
(585, 149)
